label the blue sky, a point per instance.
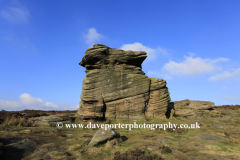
(192, 44)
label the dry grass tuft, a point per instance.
(136, 154)
(177, 130)
(13, 121)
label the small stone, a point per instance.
(198, 144)
(210, 137)
(223, 118)
(152, 148)
(163, 140)
(217, 125)
(166, 149)
(111, 143)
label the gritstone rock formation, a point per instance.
(115, 87)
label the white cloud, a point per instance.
(92, 36)
(193, 66)
(28, 102)
(50, 104)
(151, 53)
(232, 98)
(15, 15)
(235, 74)
(220, 60)
(9, 104)
(28, 99)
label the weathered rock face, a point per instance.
(115, 87)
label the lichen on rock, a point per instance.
(116, 88)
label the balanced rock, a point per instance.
(115, 87)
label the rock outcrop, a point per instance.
(16, 148)
(115, 87)
(188, 108)
(51, 120)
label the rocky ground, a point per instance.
(30, 135)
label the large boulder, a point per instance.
(16, 148)
(102, 136)
(115, 87)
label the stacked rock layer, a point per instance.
(115, 87)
